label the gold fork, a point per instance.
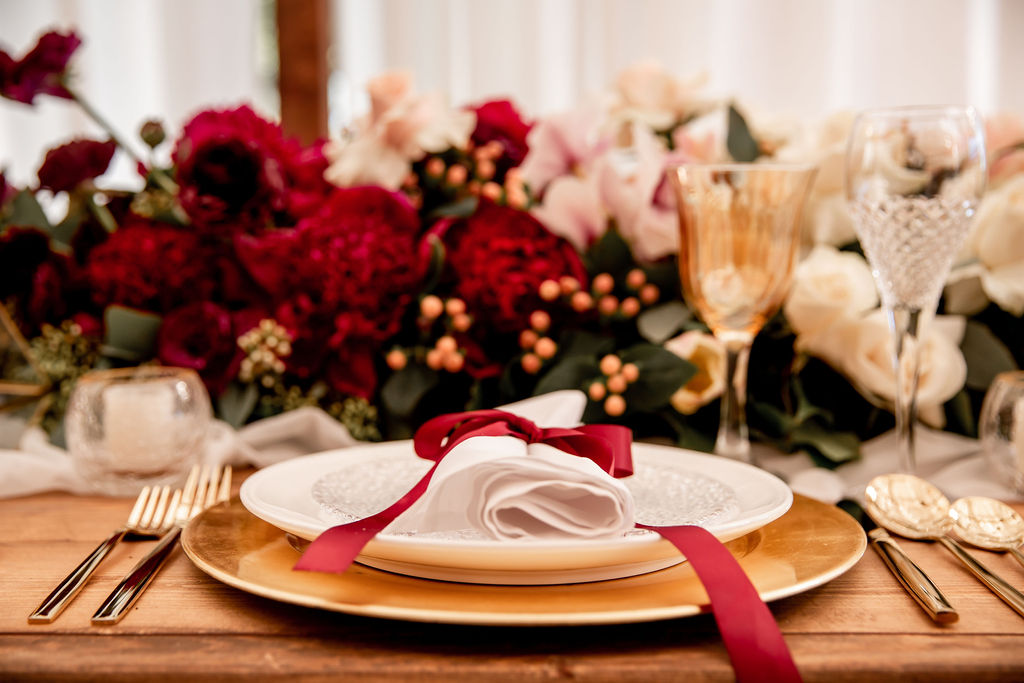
(151, 516)
(201, 491)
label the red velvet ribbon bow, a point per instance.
(751, 636)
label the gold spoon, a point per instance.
(989, 524)
(911, 507)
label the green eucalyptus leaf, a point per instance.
(662, 373)
(739, 141)
(832, 446)
(985, 354)
(236, 403)
(609, 254)
(960, 416)
(463, 208)
(26, 211)
(130, 333)
(658, 324)
(403, 390)
(572, 373)
(583, 343)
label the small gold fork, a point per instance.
(202, 490)
(151, 516)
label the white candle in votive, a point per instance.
(137, 424)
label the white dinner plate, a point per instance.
(671, 486)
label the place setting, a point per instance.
(655, 371)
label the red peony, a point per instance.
(150, 266)
(498, 120)
(41, 280)
(67, 166)
(40, 71)
(202, 336)
(496, 260)
(342, 278)
(237, 171)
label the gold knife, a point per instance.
(913, 578)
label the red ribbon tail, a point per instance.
(336, 549)
(752, 637)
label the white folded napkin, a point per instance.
(508, 489)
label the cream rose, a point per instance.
(826, 218)
(649, 94)
(401, 128)
(828, 285)
(861, 349)
(708, 355)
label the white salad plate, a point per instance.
(305, 496)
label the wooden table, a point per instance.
(860, 626)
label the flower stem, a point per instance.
(159, 176)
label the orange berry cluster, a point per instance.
(601, 294)
(617, 378)
(476, 175)
(538, 348)
(445, 353)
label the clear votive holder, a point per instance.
(1001, 428)
(133, 427)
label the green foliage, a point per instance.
(739, 140)
(985, 354)
(403, 390)
(130, 334)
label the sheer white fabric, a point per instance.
(790, 58)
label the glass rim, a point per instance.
(139, 372)
(746, 166)
(904, 110)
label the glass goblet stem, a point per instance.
(733, 438)
(904, 323)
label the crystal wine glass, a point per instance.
(914, 176)
(739, 234)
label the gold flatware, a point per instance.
(911, 507)
(913, 578)
(150, 516)
(988, 523)
(202, 489)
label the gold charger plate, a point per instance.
(811, 544)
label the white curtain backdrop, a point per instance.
(788, 58)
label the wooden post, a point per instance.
(302, 43)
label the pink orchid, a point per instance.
(562, 145)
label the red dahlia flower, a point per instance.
(341, 279)
(496, 260)
(150, 266)
(40, 71)
(237, 169)
(67, 166)
(203, 336)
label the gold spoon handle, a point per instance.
(1018, 554)
(1013, 597)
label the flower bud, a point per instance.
(152, 133)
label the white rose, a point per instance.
(861, 349)
(826, 217)
(649, 94)
(708, 354)
(828, 285)
(997, 242)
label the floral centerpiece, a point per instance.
(437, 259)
